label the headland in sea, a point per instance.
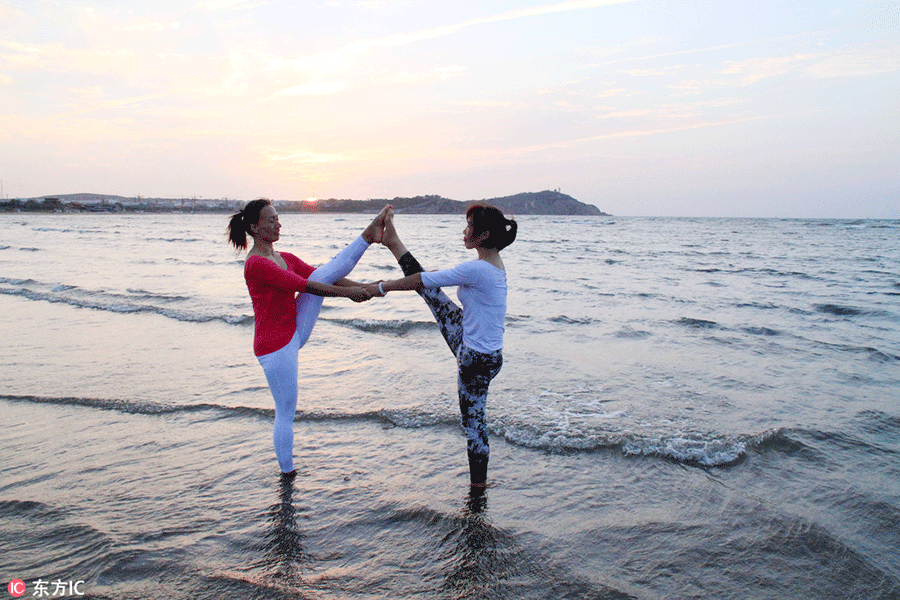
(548, 202)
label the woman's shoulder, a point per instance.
(488, 267)
(256, 262)
(482, 272)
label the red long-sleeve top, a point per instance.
(274, 291)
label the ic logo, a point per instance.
(16, 588)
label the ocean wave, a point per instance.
(838, 310)
(134, 302)
(627, 333)
(698, 449)
(67, 230)
(761, 331)
(709, 451)
(697, 323)
(405, 418)
(145, 295)
(29, 508)
(867, 351)
(137, 301)
(388, 327)
(181, 240)
(759, 305)
(690, 449)
(781, 441)
(133, 407)
(12, 281)
(695, 450)
(879, 422)
(567, 320)
(816, 445)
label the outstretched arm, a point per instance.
(410, 283)
(357, 293)
(348, 283)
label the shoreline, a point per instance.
(527, 203)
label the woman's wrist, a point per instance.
(381, 288)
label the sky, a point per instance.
(750, 108)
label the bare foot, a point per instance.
(391, 239)
(374, 232)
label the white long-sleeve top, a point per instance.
(481, 289)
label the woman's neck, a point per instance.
(262, 248)
(490, 255)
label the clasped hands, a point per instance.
(366, 291)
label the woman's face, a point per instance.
(469, 234)
(471, 240)
(268, 229)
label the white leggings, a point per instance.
(280, 366)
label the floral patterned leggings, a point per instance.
(475, 372)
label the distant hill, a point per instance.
(528, 203)
(545, 203)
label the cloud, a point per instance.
(117, 103)
(18, 47)
(151, 26)
(752, 70)
(655, 71)
(451, 71)
(313, 88)
(306, 158)
(482, 103)
(851, 62)
(317, 71)
(226, 5)
(633, 133)
(412, 37)
(857, 62)
(616, 93)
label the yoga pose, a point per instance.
(283, 321)
(473, 332)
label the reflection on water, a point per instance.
(481, 560)
(284, 557)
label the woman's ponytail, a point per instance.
(240, 222)
(511, 228)
(237, 234)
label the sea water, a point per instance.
(688, 408)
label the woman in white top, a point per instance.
(473, 332)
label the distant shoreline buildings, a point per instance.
(528, 203)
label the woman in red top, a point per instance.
(282, 320)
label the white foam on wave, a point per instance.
(692, 450)
(562, 431)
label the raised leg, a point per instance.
(447, 314)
